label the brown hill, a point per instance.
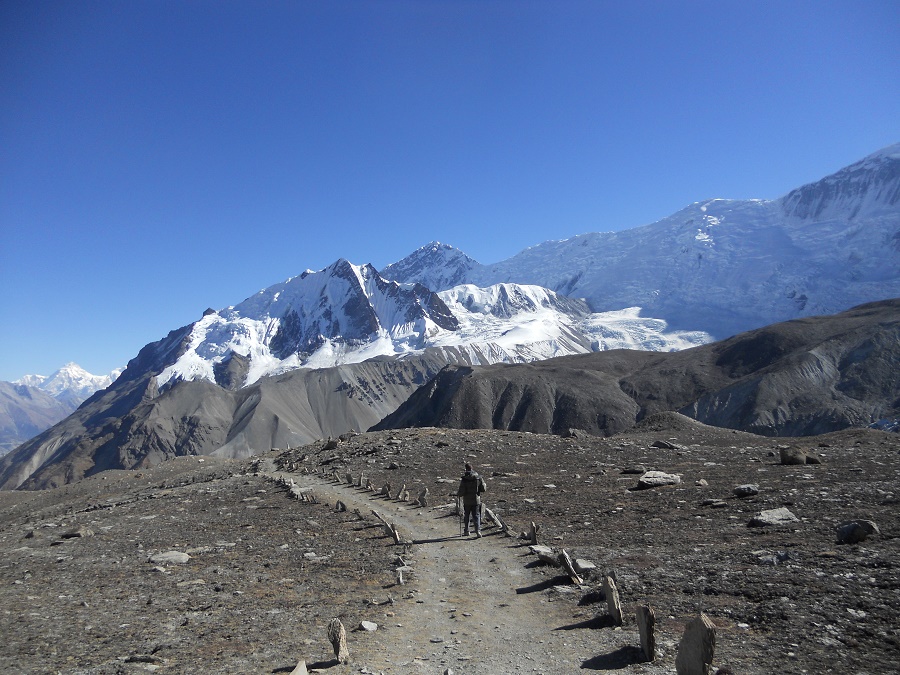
(802, 377)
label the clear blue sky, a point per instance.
(158, 158)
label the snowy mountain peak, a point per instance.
(71, 382)
(436, 266)
(344, 313)
(866, 188)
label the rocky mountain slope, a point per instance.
(802, 377)
(720, 266)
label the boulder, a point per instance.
(653, 479)
(780, 516)
(792, 456)
(746, 490)
(856, 531)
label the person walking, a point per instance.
(471, 487)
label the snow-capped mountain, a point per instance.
(436, 266)
(34, 403)
(348, 313)
(71, 383)
(337, 350)
(722, 266)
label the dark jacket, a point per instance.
(471, 487)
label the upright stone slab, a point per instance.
(646, 621)
(697, 647)
(337, 635)
(613, 604)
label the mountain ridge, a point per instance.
(723, 266)
(336, 350)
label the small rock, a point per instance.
(702, 483)
(779, 516)
(653, 479)
(78, 532)
(172, 557)
(664, 445)
(368, 626)
(638, 469)
(856, 531)
(746, 490)
(582, 566)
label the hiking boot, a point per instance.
(478, 534)
(466, 533)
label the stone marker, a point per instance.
(646, 621)
(697, 647)
(653, 479)
(337, 635)
(779, 516)
(613, 605)
(856, 531)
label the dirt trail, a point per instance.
(475, 605)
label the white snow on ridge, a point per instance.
(71, 382)
(501, 323)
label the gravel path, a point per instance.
(475, 605)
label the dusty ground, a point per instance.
(267, 572)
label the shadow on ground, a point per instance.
(621, 658)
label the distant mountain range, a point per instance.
(34, 403)
(339, 349)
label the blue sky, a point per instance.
(159, 158)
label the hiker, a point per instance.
(471, 487)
